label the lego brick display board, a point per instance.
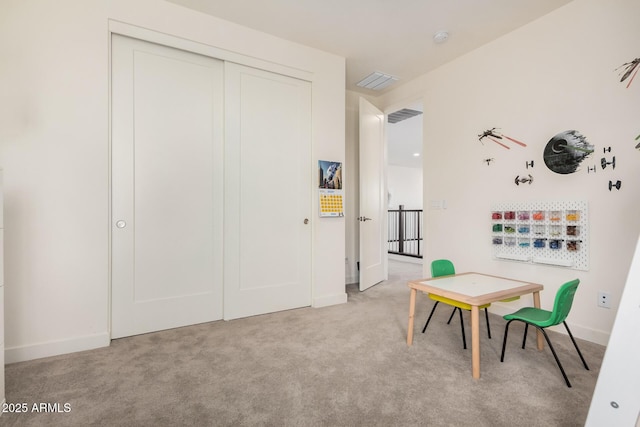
(554, 233)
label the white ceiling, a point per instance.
(391, 36)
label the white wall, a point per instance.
(2, 392)
(552, 75)
(54, 148)
(405, 187)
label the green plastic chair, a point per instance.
(542, 319)
(444, 267)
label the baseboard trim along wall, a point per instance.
(591, 335)
(329, 300)
(55, 348)
(90, 342)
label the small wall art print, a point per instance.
(565, 152)
(330, 175)
(330, 202)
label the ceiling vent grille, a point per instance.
(377, 81)
(403, 114)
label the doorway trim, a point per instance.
(152, 36)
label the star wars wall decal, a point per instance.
(610, 165)
(565, 152)
(494, 136)
(523, 180)
(615, 185)
(627, 69)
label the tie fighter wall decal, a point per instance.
(494, 136)
(627, 69)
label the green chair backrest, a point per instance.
(442, 267)
(562, 304)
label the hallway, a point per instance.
(404, 270)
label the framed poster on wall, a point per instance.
(330, 193)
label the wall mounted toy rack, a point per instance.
(552, 233)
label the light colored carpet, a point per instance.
(345, 365)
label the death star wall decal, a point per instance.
(565, 151)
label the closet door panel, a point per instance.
(167, 186)
(267, 192)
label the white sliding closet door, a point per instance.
(167, 187)
(268, 186)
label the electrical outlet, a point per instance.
(604, 299)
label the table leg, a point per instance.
(412, 311)
(475, 341)
(536, 303)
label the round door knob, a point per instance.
(306, 220)
(121, 224)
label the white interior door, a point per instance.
(167, 110)
(267, 192)
(373, 200)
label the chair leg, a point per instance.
(452, 313)
(555, 356)
(504, 341)
(553, 351)
(486, 315)
(524, 339)
(429, 319)
(576, 346)
(464, 339)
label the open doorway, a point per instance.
(406, 137)
(404, 129)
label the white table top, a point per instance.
(475, 288)
(474, 284)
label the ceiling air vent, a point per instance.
(377, 81)
(403, 114)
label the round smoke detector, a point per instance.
(440, 37)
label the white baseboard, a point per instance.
(350, 280)
(55, 348)
(402, 258)
(329, 300)
(591, 335)
(578, 331)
